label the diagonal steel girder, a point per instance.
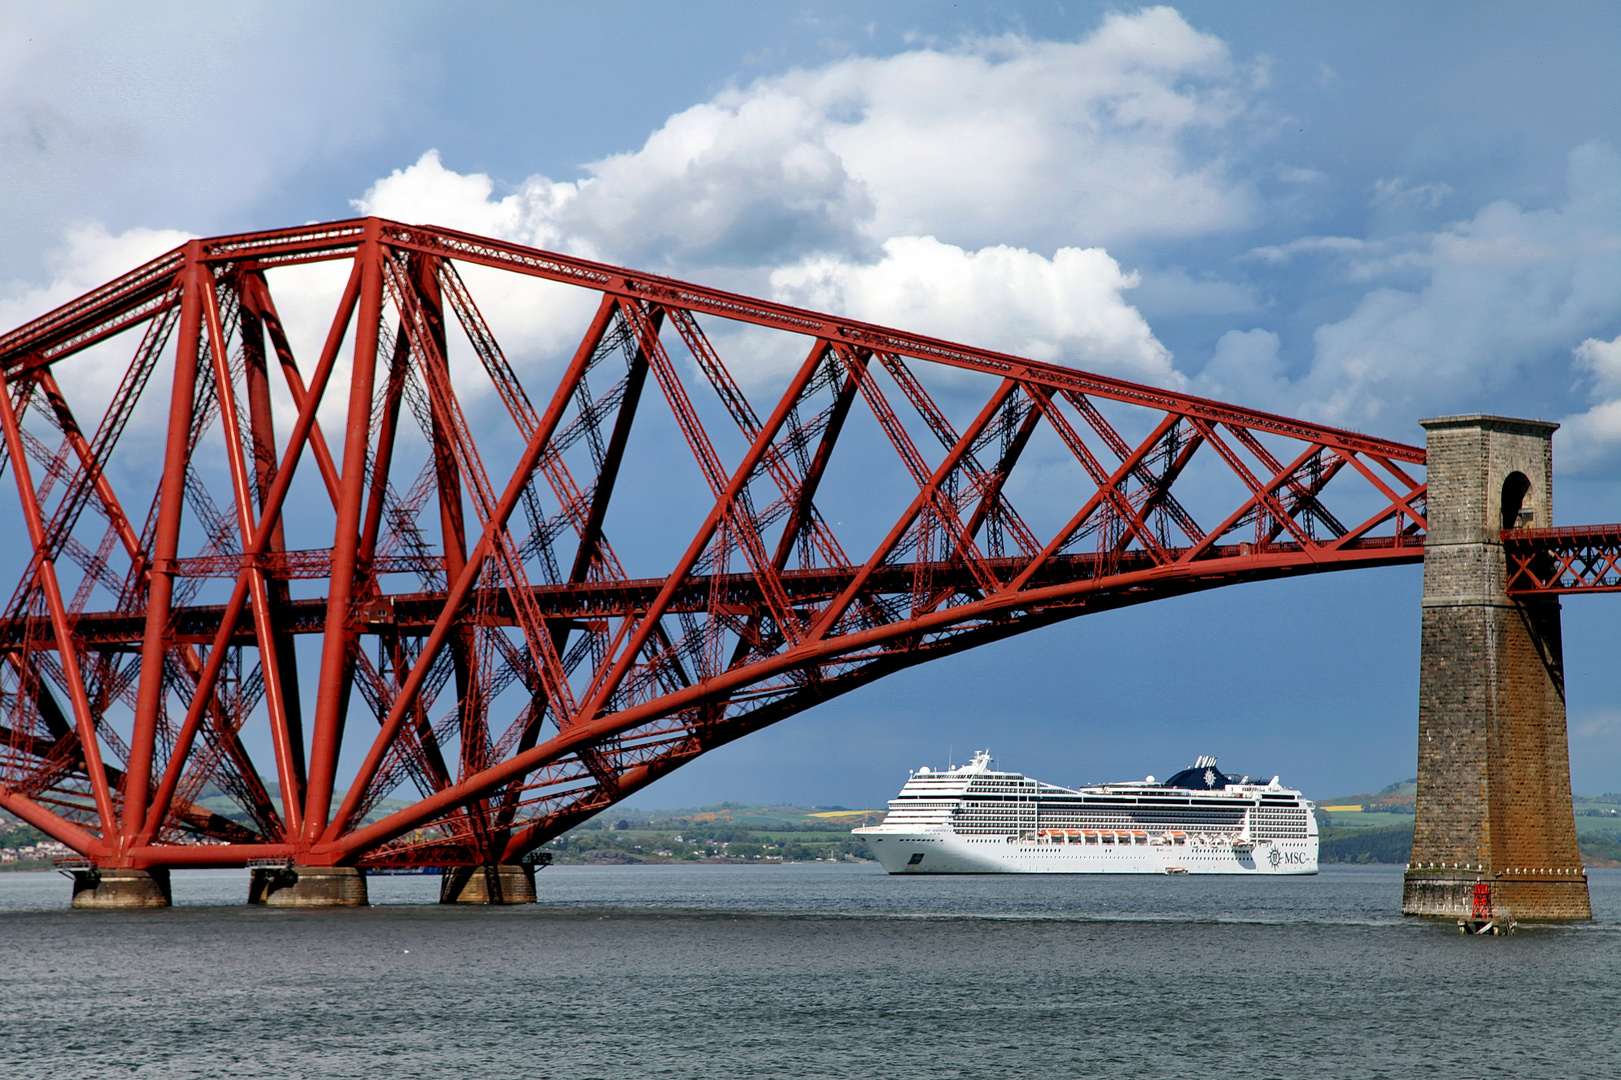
(440, 538)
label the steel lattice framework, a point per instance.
(518, 677)
(1575, 559)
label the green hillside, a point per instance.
(726, 832)
(1597, 816)
(1391, 844)
(1378, 827)
(1394, 844)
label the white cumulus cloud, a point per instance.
(963, 193)
(1019, 141)
(1068, 308)
(1602, 360)
(1501, 300)
(88, 257)
(1593, 438)
(1041, 144)
(1507, 290)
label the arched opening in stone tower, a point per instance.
(1517, 509)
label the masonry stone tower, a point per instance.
(1495, 834)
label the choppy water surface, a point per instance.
(808, 970)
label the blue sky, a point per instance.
(1363, 215)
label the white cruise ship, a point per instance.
(975, 820)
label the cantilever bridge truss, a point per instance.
(359, 602)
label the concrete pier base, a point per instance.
(121, 889)
(509, 883)
(308, 886)
(1555, 895)
(1495, 837)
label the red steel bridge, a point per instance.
(359, 606)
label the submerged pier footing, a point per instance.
(308, 886)
(121, 889)
(507, 883)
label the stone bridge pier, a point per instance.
(1495, 836)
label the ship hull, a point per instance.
(947, 853)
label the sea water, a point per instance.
(806, 970)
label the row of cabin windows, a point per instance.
(1103, 838)
(1048, 807)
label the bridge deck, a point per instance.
(1575, 559)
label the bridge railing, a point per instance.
(1575, 559)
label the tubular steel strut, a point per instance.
(156, 710)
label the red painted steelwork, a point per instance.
(519, 677)
(1548, 562)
